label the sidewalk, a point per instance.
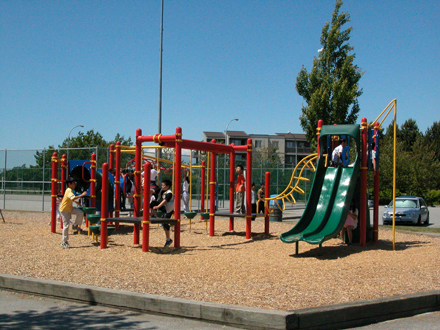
(328, 317)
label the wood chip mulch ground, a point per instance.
(261, 272)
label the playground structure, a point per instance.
(332, 191)
(332, 188)
(170, 141)
(175, 142)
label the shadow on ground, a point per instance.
(80, 317)
(336, 252)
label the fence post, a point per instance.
(4, 178)
(42, 188)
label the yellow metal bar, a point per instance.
(394, 174)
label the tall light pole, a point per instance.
(160, 78)
(226, 132)
(68, 140)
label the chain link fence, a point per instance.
(25, 176)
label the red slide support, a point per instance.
(177, 185)
(376, 187)
(249, 189)
(137, 185)
(212, 184)
(364, 168)
(146, 208)
(231, 186)
(104, 205)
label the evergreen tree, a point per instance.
(409, 133)
(331, 89)
(432, 138)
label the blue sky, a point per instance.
(96, 63)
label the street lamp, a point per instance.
(68, 139)
(226, 132)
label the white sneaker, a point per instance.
(65, 245)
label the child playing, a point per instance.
(260, 195)
(240, 188)
(253, 200)
(67, 209)
(350, 224)
(165, 203)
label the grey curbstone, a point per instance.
(337, 316)
(225, 314)
(367, 311)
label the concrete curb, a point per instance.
(327, 317)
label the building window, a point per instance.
(275, 144)
(257, 143)
(236, 142)
(290, 160)
(290, 144)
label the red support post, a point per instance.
(249, 189)
(118, 182)
(231, 186)
(202, 191)
(137, 185)
(146, 208)
(54, 193)
(364, 168)
(212, 184)
(318, 133)
(177, 185)
(64, 175)
(118, 191)
(104, 205)
(266, 205)
(376, 187)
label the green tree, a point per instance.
(267, 155)
(417, 165)
(331, 89)
(409, 133)
(432, 138)
(86, 144)
(44, 157)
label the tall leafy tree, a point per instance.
(432, 138)
(331, 89)
(86, 144)
(409, 133)
(267, 155)
(417, 166)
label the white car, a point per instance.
(409, 209)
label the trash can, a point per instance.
(276, 214)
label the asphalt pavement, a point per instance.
(22, 311)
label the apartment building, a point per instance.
(290, 147)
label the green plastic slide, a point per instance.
(311, 220)
(331, 194)
(333, 224)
